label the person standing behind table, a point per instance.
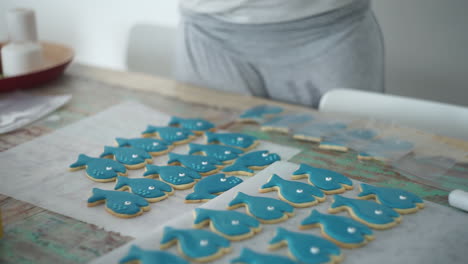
(287, 50)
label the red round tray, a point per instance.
(56, 57)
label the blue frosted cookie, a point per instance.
(173, 135)
(248, 256)
(132, 158)
(286, 123)
(180, 178)
(222, 153)
(316, 131)
(306, 248)
(211, 186)
(150, 189)
(99, 169)
(340, 142)
(259, 112)
(232, 225)
(266, 210)
(196, 244)
(196, 125)
(246, 164)
(121, 204)
(400, 200)
(155, 147)
(341, 230)
(297, 194)
(330, 182)
(370, 213)
(141, 256)
(201, 164)
(237, 140)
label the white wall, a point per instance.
(426, 40)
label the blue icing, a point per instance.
(210, 186)
(294, 192)
(392, 197)
(368, 211)
(219, 152)
(146, 188)
(146, 144)
(248, 256)
(194, 124)
(169, 134)
(229, 223)
(339, 228)
(195, 243)
(324, 179)
(287, 121)
(262, 208)
(237, 140)
(259, 158)
(319, 130)
(98, 168)
(342, 139)
(150, 257)
(120, 202)
(175, 175)
(307, 248)
(261, 110)
(127, 156)
(199, 164)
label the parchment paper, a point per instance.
(37, 171)
(436, 234)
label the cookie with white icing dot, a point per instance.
(99, 169)
(120, 204)
(330, 182)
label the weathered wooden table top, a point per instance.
(35, 235)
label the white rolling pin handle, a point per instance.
(19, 59)
(21, 23)
(459, 199)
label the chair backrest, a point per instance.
(444, 119)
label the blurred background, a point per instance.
(425, 40)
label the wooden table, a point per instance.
(35, 235)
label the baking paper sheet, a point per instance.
(37, 171)
(436, 234)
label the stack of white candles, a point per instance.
(23, 53)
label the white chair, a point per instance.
(445, 119)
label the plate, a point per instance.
(56, 57)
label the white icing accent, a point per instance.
(134, 156)
(328, 178)
(203, 243)
(314, 250)
(402, 197)
(181, 174)
(270, 208)
(235, 222)
(351, 230)
(204, 162)
(108, 168)
(199, 124)
(378, 212)
(265, 154)
(240, 139)
(223, 179)
(127, 203)
(227, 152)
(178, 133)
(151, 188)
(299, 190)
(155, 143)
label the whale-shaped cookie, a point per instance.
(132, 158)
(266, 210)
(201, 164)
(385, 148)
(341, 230)
(316, 131)
(340, 142)
(99, 169)
(232, 225)
(196, 125)
(297, 194)
(209, 187)
(246, 164)
(306, 248)
(285, 123)
(142, 256)
(224, 154)
(400, 200)
(196, 244)
(370, 213)
(173, 135)
(330, 182)
(259, 112)
(154, 147)
(121, 204)
(238, 140)
(180, 178)
(248, 256)
(150, 189)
